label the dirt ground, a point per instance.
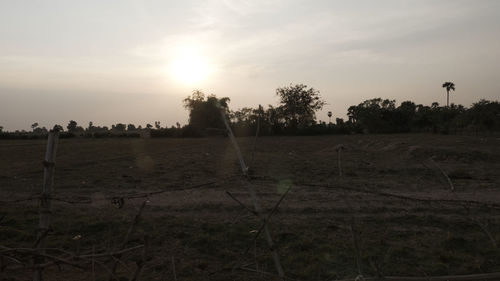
(393, 198)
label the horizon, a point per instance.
(169, 125)
(133, 62)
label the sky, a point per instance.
(125, 61)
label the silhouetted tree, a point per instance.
(119, 127)
(485, 115)
(246, 120)
(71, 126)
(273, 118)
(157, 125)
(205, 112)
(34, 126)
(40, 131)
(74, 128)
(149, 126)
(58, 128)
(373, 116)
(404, 116)
(242, 115)
(131, 127)
(299, 104)
(449, 86)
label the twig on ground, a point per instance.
(268, 218)
(484, 228)
(124, 265)
(11, 259)
(56, 260)
(116, 253)
(241, 203)
(450, 183)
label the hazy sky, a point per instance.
(134, 61)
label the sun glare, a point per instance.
(190, 67)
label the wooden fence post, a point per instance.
(45, 201)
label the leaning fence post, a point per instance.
(255, 198)
(45, 204)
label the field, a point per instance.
(393, 199)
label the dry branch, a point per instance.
(268, 218)
(129, 232)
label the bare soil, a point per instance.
(392, 192)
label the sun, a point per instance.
(190, 67)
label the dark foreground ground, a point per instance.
(204, 233)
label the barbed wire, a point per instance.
(89, 200)
(171, 188)
(130, 196)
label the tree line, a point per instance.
(383, 116)
(296, 115)
(74, 130)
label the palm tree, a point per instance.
(449, 86)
